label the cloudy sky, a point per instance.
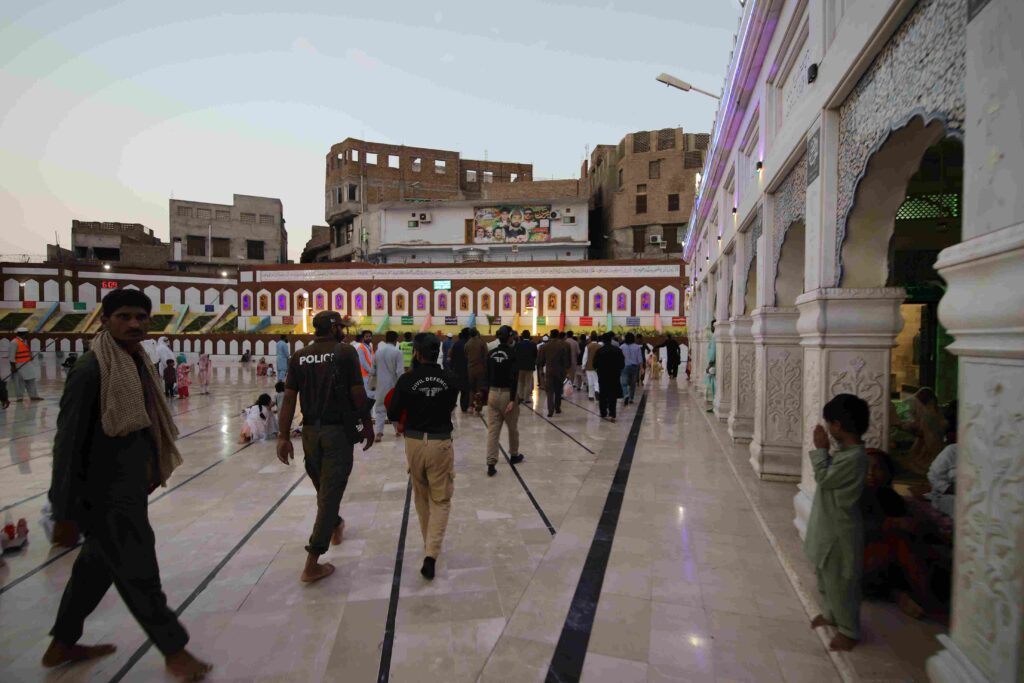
(107, 109)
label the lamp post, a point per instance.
(680, 84)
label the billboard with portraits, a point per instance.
(512, 223)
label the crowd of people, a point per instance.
(862, 537)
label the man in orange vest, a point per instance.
(364, 348)
(24, 367)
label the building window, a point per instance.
(641, 188)
(223, 215)
(693, 159)
(470, 176)
(203, 213)
(642, 141)
(488, 176)
(641, 203)
(654, 170)
(620, 178)
(184, 212)
(371, 158)
(195, 246)
(440, 165)
(417, 164)
(393, 161)
(670, 233)
(513, 177)
(353, 192)
(673, 202)
(639, 239)
(339, 195)
(221, 247)
(349, 232)
(248, 217)
(266, 220)
(355, 154)
(254, 250)
(666, 138)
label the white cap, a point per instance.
(449, 335)
(20, 330)
(545, 337)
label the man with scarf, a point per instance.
(114, 445)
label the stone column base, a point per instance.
(950, 665)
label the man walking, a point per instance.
(634, 359)
(588, 366)
(672, 356)
(282, 358)
(526, 360)
(460, 368)
(115, 443)
(556, 359)
(326, 378)
(24, 368)
(446, 347)
(502, 406)
(388, 366)
(405, 346)
(426, 395)
(364, 348)
(476, 363)
(608, 364)
(574, 357)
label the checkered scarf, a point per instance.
(123, 406)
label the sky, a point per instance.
(108, 109)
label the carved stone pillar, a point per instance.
(741, 414)
(723, 370)
(775, 449)
(847, 337)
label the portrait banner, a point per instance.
(512, 223)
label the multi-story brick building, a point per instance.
(124, 244)
(362, 174)
(318, 246)
(210, 237)
(642, 192)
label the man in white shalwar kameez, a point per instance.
(388, 366)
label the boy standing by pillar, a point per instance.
(835, 530)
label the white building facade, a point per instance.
(859, 230)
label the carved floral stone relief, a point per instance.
(790, 204)
(784, 394)
(745, 379)
(861, 378)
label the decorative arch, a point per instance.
(360, 303)
(230, 298)
(339, 301)
(464, 301)
(211, 295)
(789, 265)
(645, 303)
(193, 297)
(301, 302)
(574, 304)
(31, 289)
(51, 291)
(379, 302)
(485, 303)
(69, 292)
(153, 292)
(621, 300)
(507, 302)
(264, 302)
(669, 301)
(529, 301)
(233, 347)
(421, 302)
(172, 295)
(86, 292)
(221, 347)
(750, 276)
(259, 349)
(320, 301)
(282, 304)
(552, 301)
(12, 290)
(598, 301)
(400, 301)
(443, 303)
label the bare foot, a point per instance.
(819, 621)
(58, 653)
(317, 572)
(908, 606)
(339, 531)
(186, 667)
(842, 643)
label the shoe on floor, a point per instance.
(491, 470)
(517, 458)
(428, 568)
(558, 411)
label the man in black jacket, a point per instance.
(526, 360)
(502, 407)
(608, 363)
(425, 398)
(460, 368)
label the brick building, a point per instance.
(210, 237)
(126, 244)
(318, 246)
(362, 174)
(642, 192)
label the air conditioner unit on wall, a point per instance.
(425, 218)
(568, 220)
(554, 215)
(654, 239)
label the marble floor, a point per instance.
(692, 588)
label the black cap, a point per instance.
(504, 332)
(427, 344)
(323, 320)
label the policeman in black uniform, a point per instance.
(502, 406)
(423, 401)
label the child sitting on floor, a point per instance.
(258, 418)
(835, 529)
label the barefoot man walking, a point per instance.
(114, 445)
(326, 377)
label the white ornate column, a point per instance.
(847, 336)
(723, 341)
(776, 445)
(741, 413)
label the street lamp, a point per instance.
(682, 85)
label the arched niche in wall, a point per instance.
(360, 302)
(621, 301)
(379, 302)
(574, 304)
(193, 297)
(598, 301)
(153, 292)
(645, 301)
(282, 302)
(552, 300)
(400, 301)
(507, 302)
(485, 304)
(670, 301)
(421, 301)
(172, 295)
(443, 303)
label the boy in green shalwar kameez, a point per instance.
(835, 530)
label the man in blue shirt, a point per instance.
(634, 359)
